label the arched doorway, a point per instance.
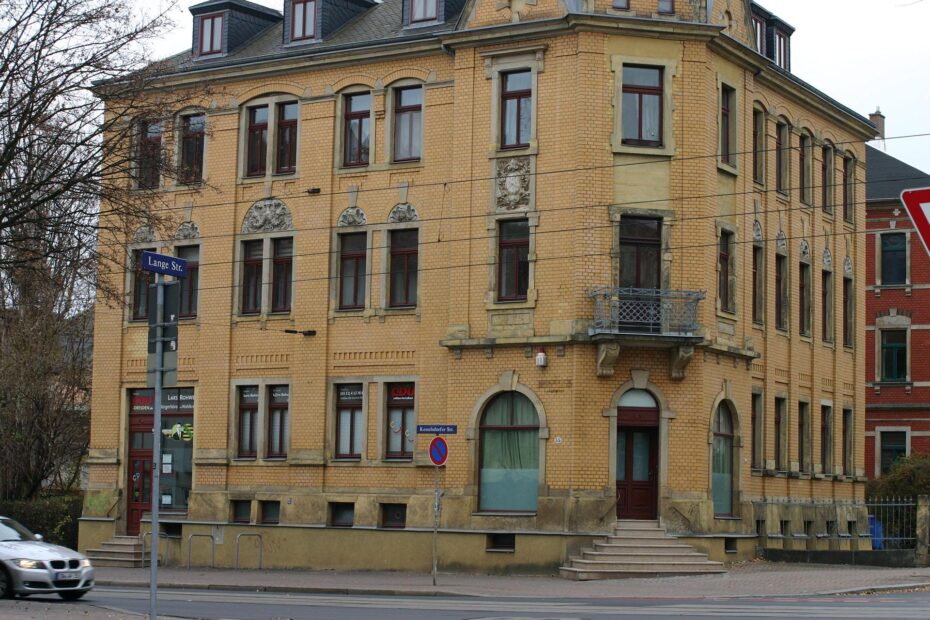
(722, 465)
(637, 455)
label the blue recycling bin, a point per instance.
(875, 531)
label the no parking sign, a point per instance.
(438, 451)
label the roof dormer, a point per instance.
(308, 21)
(772, 36)
(221, 26)
(416, 13)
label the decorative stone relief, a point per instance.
(187, 230)
(847, 266)
(680, 358)
(805, 250)
(607, 354)
(513, 183)
(402, 213)
(353, 216)
(781, 242)
(267, 215)
(145, 234)
(827, 259)
(757, 231)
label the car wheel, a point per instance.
(72, 596)
(6, 584)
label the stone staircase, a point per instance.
(121, 551)
(638, 549)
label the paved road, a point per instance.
(123, 603)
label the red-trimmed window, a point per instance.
(513, 273)
(516, 109)
(303, 20)
(402, 433)
(349, 421)
(149, 159)
(211, 34)
(422, 10)
(281, 271)
(193, 128)
(404, 258)
(353, 255)
(248, 417)
(408, 123)
(257, 146)
(278, 407)
(251, 277)
(357, 129)
(642, 105)
(287, 138)
(189, 285)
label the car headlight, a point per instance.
(85, 563)
(28, 563)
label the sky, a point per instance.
(865, 54)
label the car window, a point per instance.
(11, 530)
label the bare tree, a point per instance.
(75, 82)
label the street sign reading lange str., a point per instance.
(917, 204)
(161, 263)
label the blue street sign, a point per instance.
(438, 451)
(437, 429)
(167, 265)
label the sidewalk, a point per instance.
(743, 580)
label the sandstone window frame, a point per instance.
(728, 128)
(137, 277)
(497, 63)
(182, 135)
(828, 178)
(391, 110)
(879, 432)
(827, 299)
(806, 167)
(759, 145)
(274, 103)
(849, 187)
(149, 155)
(783, 133)
(805, 446)
(336, 409)
(780, 444)
(826, 466)
(759, 276)
(669, 70)
(849, 442)
(805, 293)
(260, 424)
(782, 284)
(190, 284)
(493, 224)
(727, 233)
(849, 307)
(388, 255)
(883, 326)
(757, 443)
(880, 258)
(265, 309)
(384, 423)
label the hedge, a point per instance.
(55, 517)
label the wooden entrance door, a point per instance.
(139, 497)
(637, 463)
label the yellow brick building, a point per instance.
(634, 285)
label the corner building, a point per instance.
(615, 244)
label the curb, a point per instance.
(885, 588)
(282, 589)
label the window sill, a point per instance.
(519, 151)
(492, 303)
(360, 169)
(893, 384)
(342, 461)
(620, 148)
(782, 196)
(759, 326)
(503, 513)
(727, 518)
(759, 185)
(243, 459)
(275, 460)
(723, 313)
(404, 461)
(728, 169)
(828, 344)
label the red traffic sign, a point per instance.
(917, 204)
(438, 451)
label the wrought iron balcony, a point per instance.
(646, 312)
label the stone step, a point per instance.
(590, 574)
(109, 554)
(111, 563)
(634, 546)
(686, 555)
(636, 524)
(120, 544)
(640, 534)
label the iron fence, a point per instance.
(645, 311)
(893, 522)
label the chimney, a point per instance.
(878, 119)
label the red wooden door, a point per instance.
(637, 463)
(139, 497)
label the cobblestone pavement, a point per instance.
(743, 580)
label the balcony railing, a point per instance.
(645, 312)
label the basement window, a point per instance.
(341, 514)
(502, 543)
(729, 545)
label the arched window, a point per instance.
(722, 481)
(509, 476)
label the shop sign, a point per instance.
(402, 393)
(350, 392)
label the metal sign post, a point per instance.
(438, 454)
(161, 265)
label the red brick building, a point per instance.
(897, 318)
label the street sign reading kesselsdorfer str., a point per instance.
(167, 265)
(437, 429)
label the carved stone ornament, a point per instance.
(353, 216)
(781, 242)
(805, 250)
(847, 266)
(827, 259)
(267, 215)
(513, 183)
(187, 230)
(402, 213)
(607, 354)
(757, 231)
(680, 358)
(145, 234)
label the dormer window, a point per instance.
(422, 10)
(781, 49)
(211, 34)
(303, 20)
(759, 27)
